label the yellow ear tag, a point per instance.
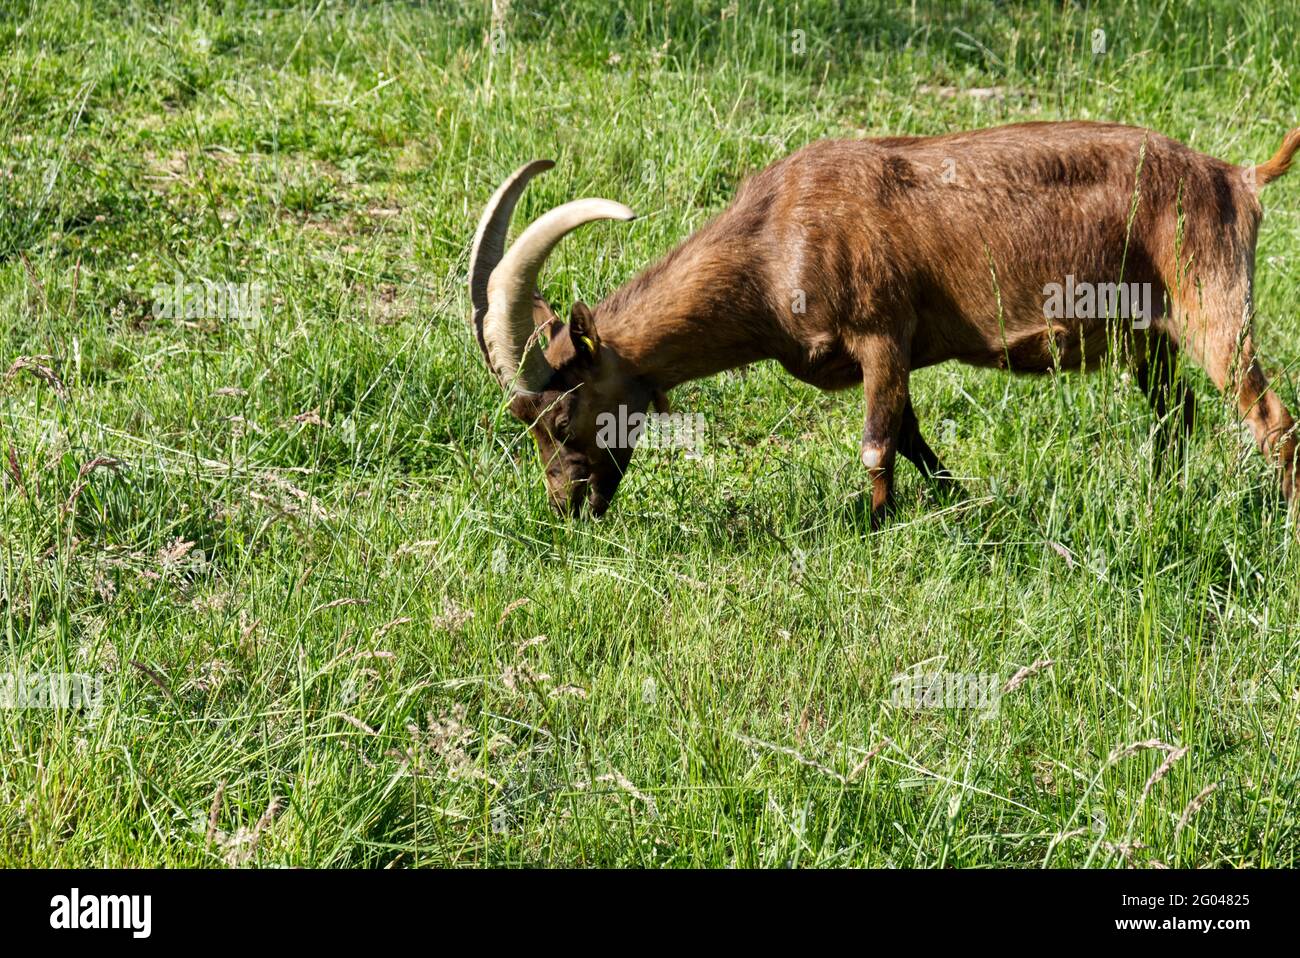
(589, 343)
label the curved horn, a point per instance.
(507, 320)
(490, 239)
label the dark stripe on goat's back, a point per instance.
(1070, 169)
(897, 177)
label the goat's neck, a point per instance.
(699, 311)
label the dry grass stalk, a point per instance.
(36, 366)
(15, 471)
(421, 545)
(516, 675)
(797, 756)
(866, 760)
(389, 626)
(247, 630)
(214, 815)
(1025, 673)
(155, 677)
(170, 555)
(356, 722)
(1063, 552)
(453, 617)
(517, 604)
(529, 643)
(290, 500)
(448, 739)
(1128, 751)
(1124, 850)
(35, 281)
(1162, 771)
(1194, 806)
(83, 474)
(336, 603)
(240, 847)
(618, 778)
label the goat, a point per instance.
(859, 261)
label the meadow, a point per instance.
(305, 558)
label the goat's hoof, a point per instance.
(880, 516)
(946, 487)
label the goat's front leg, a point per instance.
(1215, 330)
(884, 382)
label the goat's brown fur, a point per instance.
(860, 261)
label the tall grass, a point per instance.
(336, 623)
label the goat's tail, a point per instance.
(1281, 161)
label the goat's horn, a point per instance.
(501, 287)
(490, 238)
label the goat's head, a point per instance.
(561, 379)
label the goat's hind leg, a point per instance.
(1158, 376)
(918, 452)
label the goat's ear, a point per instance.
(582, 331)
(545, 320)
(543, 314)
(524, 408)
(549, 332)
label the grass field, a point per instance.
(309, 557)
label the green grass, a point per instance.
(719, 650)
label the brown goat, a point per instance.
(1020, 247)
